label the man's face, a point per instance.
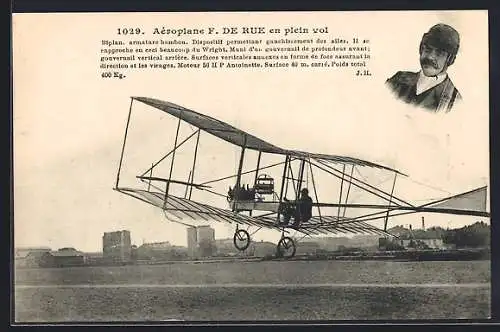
(433, 60)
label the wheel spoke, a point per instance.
(243, 236)
(286, 247)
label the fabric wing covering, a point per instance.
(212, 126)
(238, 137)
(474, 200)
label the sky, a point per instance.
(69, 122)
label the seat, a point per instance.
(264, 185)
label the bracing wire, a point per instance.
(429, 186)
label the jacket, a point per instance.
(441, 97)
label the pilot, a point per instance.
(431, 87)
(304, 208)
(251, 193)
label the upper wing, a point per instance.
(241, 138)
(213, 126)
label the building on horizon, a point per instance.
(93, 258)
(307, 247)
(425, 244)
(225, 247)
(45, 257)
(117, 246)
(65, 257)
(31, 257)
(160, 251)
(192, 241)
(205, 233)
(201, 241)
(21, 252)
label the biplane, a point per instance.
(288, 201)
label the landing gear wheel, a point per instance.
(241, 239)
(286, 247)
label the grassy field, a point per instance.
(255, 291)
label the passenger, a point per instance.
(243, 193)
(237, 194)
(251, 194)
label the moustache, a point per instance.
(429, 62)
